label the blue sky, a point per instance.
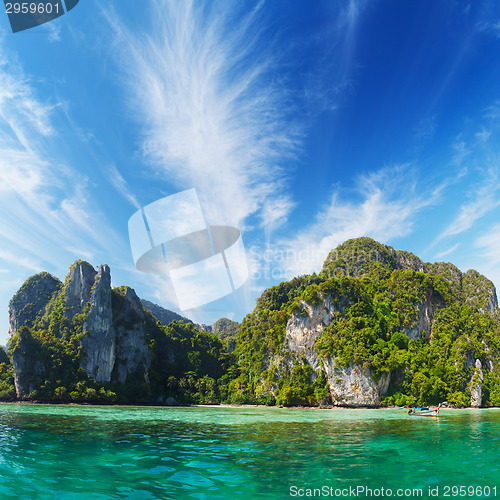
(302, 124)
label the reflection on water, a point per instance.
(130, 452)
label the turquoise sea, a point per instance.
(90, 452)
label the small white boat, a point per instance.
(424, 412)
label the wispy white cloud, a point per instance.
(335, 64)
(120, 184)
(483, 200)
(490, 27)
(483, 135)
(275, 212)
(489, 264)
(387, 205)
(493, 112)
(446, 252)
(460, 151)
(489, 244)
(448, 181)
(29, 263)
(213, 118)
(211, 92)
(47, 211)
(54, 32)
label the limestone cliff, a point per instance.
(476, 385)
(377, 324)
(355, 386)
(28, 366)
(78, 288)
(133, 355)
(304, 327)
(99, 336)
(112, 338)
(350, 385)
(164, 316)
(424, 317)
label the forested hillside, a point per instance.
(375, 327)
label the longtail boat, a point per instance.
(424, 412)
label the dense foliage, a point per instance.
(187, 365)
(377, 301)
(227, 331)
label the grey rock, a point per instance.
(355, 386)
(78, 288)
(114, 337)
(30, 300)
(476, 385)
(426, 311)
(27, 368)
(304, 328)
(164, 316)
(132, 349)
(98, 339)
(349, 386)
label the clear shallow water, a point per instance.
(90, 452)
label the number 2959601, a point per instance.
(32, 8)
(469, 491)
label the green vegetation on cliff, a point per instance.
(376, 326)
(48, 356)
(424, 324)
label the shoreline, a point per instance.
(227, 405)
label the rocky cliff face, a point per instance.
(132, 351)
(78, 288)
(425, 315)
(99, 336)
(303, 328)
(30, 300)
(349, 386)
(28, 368)
(355, 386)
(164, 316)
(476, 385)
(113, 335)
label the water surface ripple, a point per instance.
(82, 452)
